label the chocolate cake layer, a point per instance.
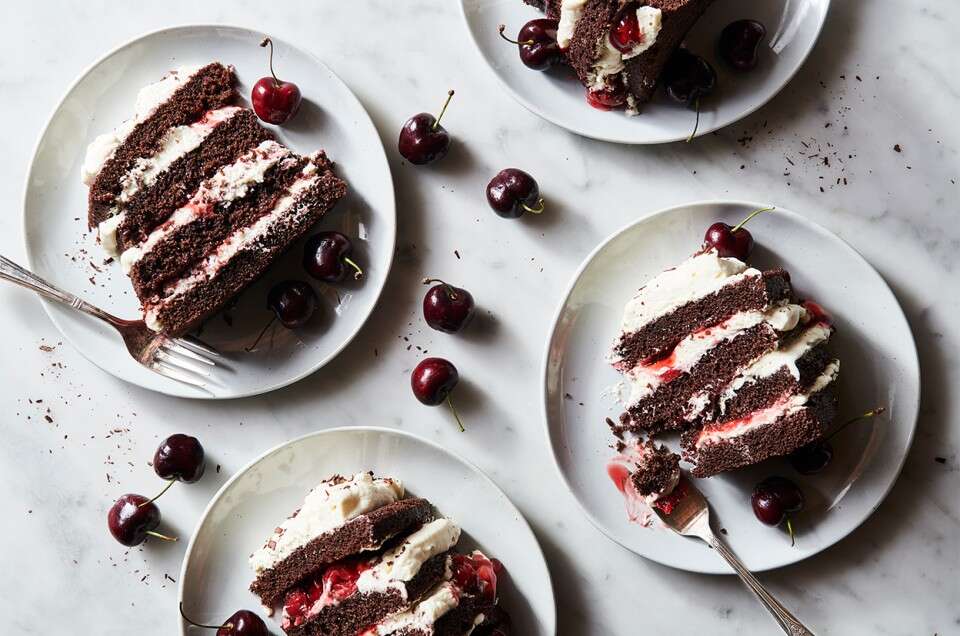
(153, 205)
(366, 532)
(355, 613)
(643, 71)
(594, 24)
(658, 337)
(656, 473)
(666, 407)
(178, 313)
(778, 438)
(187, 244)
(462, 620)
(209, 88)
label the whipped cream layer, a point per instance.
(421, 617)
(695, 278)
(611, 61)
(784, 407)
(331, 504)
(231, 182)
(149, 99)
(570, 12)
(285, 210)
(402, 563)
(644, 379)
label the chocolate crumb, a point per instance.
(940, 460)
(897, 148)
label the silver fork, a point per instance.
(186, 359)
(690, 516)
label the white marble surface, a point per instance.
(878, 77)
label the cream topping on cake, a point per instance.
(421, 617)
(402, 563)
(570, 12)
(331, 504)
(610, 60)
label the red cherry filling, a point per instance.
(625, 34)
(608, 97)
(476, 574)
(817, 313)
(338, 582)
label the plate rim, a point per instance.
(578, 130)
(913, 362)
(173, 388)
(551, 620)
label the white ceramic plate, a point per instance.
(248, 507)
(792, 29)
(60, 248)
(879, 367)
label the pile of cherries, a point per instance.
(132, 518)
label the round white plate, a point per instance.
(879, 367)
(557, 96)
(62, 250)
(248, 507)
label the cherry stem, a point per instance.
(791, 532)
(358, 274)
(265, 42)
(451, 290)
(159, 494)
(750, 216)
(442, 110)
(456, 415)
(257, 341)
(162, 536)
(862, 416)
(517, 42)
(536, 209)
(195, 624)
(696, 123)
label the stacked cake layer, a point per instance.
(196, 198)
(719, 351)
(360, 558)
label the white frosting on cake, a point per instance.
(422, 616)
(402, 563)
(149, 99)
(328, 506)
(784, 407)
(107, 231)
(693, 279)
(284, 211)
(610, 60)
(231, 182)
(570, 12)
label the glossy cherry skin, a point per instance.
(774, 498)
(423, 140)
(275, 102)
(729, 244)
(538, 44)
(512, 192)
(608, 98)
(688, 77)
(131, 518)
(433, 379)
(325, 257)
(179, 457)
(812, 458)
(447, 308)
(739, 44)
(625, 34)
(243, 623)
(293, 301)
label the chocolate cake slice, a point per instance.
(644, 472)
(619, 48)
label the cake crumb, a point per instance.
(897, 148)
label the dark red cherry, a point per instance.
(774, 499)
(447, 308)
(688, 77)
(432, 381)
(179, 457)
(275, 102)
(327, 256)
(731, 242)
(293, 302)
(512, 192)
(132, 518)
(812, 458)
(537, 44)
(625, 34)
(241, 623)
(767, 507)
(608, 98)
(422, 139)
(739, 44)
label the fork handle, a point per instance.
(12, 272)
(790, 624)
